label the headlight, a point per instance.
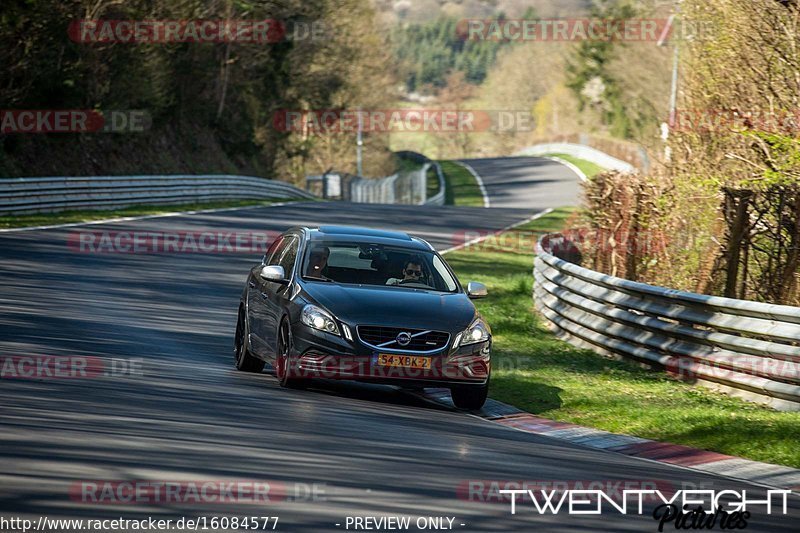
(314, 317)
(477, 332)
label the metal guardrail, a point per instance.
(438, 198)
(625, 151)
(580, 151)
(744, 348)
(405, 187)
(372, 191)
(401, 188)
(36, 195)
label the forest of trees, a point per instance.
(590, 64)
(211, 103)
(431, 51)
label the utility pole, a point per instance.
(359, 143)
(673, 97)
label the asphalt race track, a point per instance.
(188, 415)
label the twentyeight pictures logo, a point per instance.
(690, 506)
(685, 509)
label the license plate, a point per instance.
(404, 361)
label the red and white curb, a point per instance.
(782, 477)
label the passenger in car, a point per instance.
(411, 272)
(318, 262)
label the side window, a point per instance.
(272, 252)
(288, 255)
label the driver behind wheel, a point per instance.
(412, 272)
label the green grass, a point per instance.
(587, 167)
(543, 375)
(67, 217)
(461, 187)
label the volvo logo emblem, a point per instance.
(403, 338)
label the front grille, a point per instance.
(422, 340)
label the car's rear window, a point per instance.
(374, 264)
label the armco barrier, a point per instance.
(38, 195)
(580, 151)
(401, 188)
(35, 195)
(620, 150)
(438, 198)
(744, 348)
(372, 190)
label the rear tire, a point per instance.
(470, 397)
(284, 369)
(245, 361)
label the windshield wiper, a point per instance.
(314, 278)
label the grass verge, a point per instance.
(587, 167)
(535, 371)
(68, 217)
(460, 186)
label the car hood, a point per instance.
(394, 306)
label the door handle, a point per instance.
(264, 295)
(252, 283)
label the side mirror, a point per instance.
(275, 274)
(476, 290)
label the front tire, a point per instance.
(245, 361)
(470, 397)
(284, 369)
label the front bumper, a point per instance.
(316, 354)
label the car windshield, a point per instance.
(374, 264)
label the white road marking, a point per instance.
(510, 226)
(481, 186)
(569, 165)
